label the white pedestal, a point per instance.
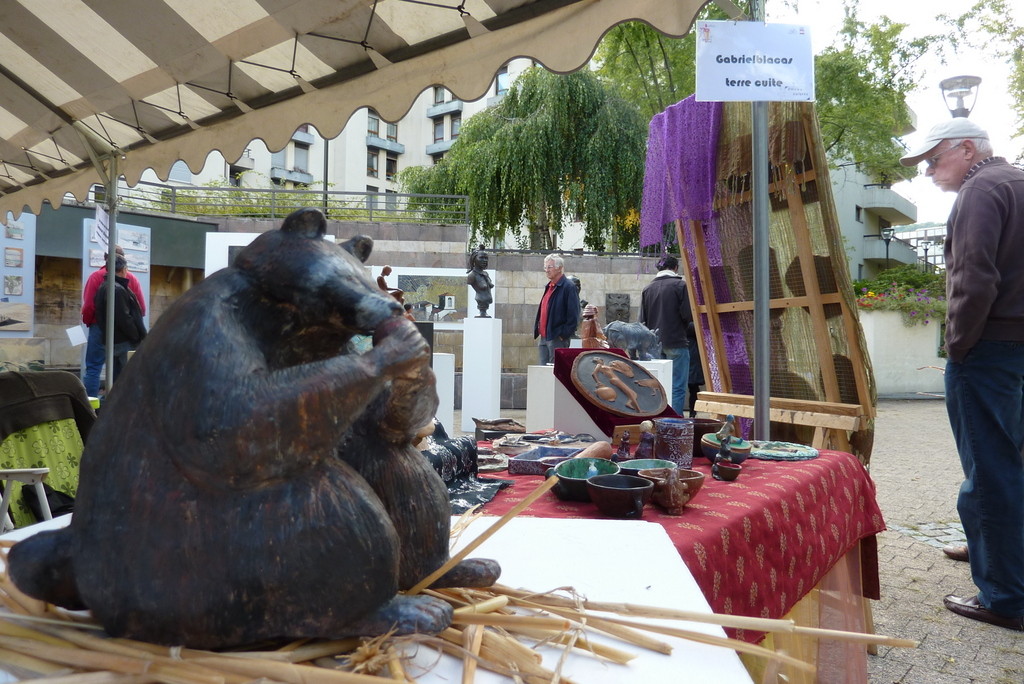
(540, 398)
(444, 369)
(481, 371)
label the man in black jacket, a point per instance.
(665, 307)
(128, 326)
(558, 313)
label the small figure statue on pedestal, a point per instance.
(478, 279)
(645, 449)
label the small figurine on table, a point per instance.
(727, 430)
(623, 453)
(645, 449)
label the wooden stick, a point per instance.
(95, 678)
(509, 620)
(472, 638)
(29, 663)
(582, 644)
(469, 548)
(488, 606)
(733, 621)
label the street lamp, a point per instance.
(958, 90)
(887, 235)
(926, 245)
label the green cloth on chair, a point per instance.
(45, 418)
(56, 445)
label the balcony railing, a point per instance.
(274, 203)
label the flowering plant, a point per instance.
(916, 305)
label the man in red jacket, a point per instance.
(95, 352)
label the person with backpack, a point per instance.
(129, 326)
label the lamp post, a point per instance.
(960, 94)
(887, 235)
(926, 245)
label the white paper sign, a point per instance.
(76, 335)
(747, 61)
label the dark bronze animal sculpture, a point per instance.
(247, 479)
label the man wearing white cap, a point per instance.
(984, 253)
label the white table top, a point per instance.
(604, 560)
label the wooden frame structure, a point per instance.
(834, 393)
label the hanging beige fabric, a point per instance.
(164, 80)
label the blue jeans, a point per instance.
(680, 376)
(985, 401)
(95, 356)
(546, 349)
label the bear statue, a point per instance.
(251, 476)
(636, 339)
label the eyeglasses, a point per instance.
(932, 161)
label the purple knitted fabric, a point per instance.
(679, 181)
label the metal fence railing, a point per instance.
(275, 203)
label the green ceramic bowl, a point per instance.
(573, 474)
(634, 466)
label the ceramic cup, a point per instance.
(673, 440)
(620, 496)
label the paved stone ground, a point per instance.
(917, 473)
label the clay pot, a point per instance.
(701, 427)
(710, 446)
(620, 496)
(674, 487)
(723, 470)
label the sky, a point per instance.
(991, 111)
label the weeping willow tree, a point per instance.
(555, 149)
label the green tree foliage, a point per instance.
(555, 148)
(861, 83)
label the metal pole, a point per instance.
(326, 170)
(111, 196)
(761, 346)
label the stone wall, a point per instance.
(519, 283)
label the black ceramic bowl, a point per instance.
(620, 496)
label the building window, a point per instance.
(501, 81)
(439, 129)
(301, 158)
(858, 213)
(371, 197)
(235, 176)
(371, 163)
(393, 132)
(438, 95)
(391, 166)
(372, 123)
(456, 125)
(390, 200)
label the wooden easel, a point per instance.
(841, 413)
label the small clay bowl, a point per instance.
(729, 471)
(701, 427)
(634, 466)
(572, 476)
(620, 496)
(672, 493)
(710, 445)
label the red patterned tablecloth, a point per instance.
(758, 545)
